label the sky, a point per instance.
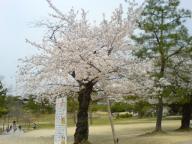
(18, 19)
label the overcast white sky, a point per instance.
(18, 16)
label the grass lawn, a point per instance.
(129, 131)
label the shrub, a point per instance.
(124, 115)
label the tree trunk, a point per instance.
(82, 126)
(186, 116)
(159, 114)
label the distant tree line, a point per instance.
(16, 107)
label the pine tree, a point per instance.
(162, 35)
(181, 74)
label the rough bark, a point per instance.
(82, 126)
(159, 115)
(186, 116)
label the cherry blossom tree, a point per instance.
(76, 55)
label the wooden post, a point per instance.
(4, 119)
(111, 121)
(90, 114)
(74, 117)
(65, 119)
(8, 120)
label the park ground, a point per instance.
(129, 131)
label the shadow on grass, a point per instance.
(162, 132)
(153, 133)
(184, 130)
(85, 142)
